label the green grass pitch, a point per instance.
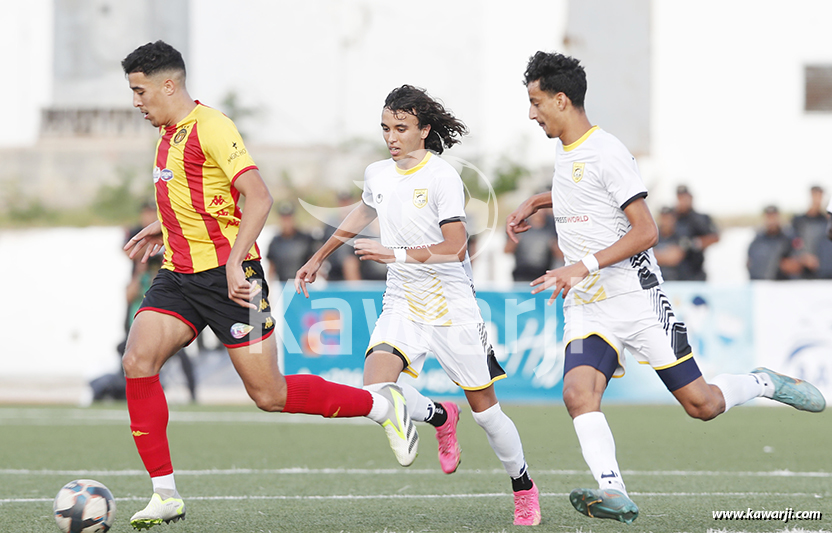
(245, 471)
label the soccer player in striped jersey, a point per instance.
(611, 286)
(211, 276)
(429, 301)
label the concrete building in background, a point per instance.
(727, 96)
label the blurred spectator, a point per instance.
(472, 249)
(696, 232)
(814, 251)
(669, 252)
(112, 386)
(291, 248)
(537, 250)
(342, 264)
(829, 216)
(771, 255)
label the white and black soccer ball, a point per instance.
(84, 506)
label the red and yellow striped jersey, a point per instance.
(197, 161)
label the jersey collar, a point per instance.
(415, 169)
(577, 143)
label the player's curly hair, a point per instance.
(558, 73)
(445, 129)
(152, 58)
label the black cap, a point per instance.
(771, 210)
(682, 189)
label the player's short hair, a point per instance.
(558, 73)
(445, 129)
(152, 58)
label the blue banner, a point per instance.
(328, 334)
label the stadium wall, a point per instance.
(62, 313)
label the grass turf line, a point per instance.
(649, 439)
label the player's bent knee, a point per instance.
(137, 366)
(702, 410)
(579, 400)
(269, 402)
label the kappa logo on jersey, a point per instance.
(179, 136)
(420, 198)
(240, 330)
(578, 171)
(164, 174)
(379, 198)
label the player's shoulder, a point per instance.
(440, 168)
(379, 167)
(440, 163)
(608, 141)
(213, 117)
(204, 112)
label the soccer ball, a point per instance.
(84, 506)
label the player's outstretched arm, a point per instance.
(258, 204)
(451, 250)
(516, 221)
(357, 220)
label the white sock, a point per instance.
(739, 388)
(378, 413)
(764, 380)
(164, 486)
(598, 448)
(419, 406)
(504, 439)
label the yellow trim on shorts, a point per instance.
(407, 370)
(611, 345)
(676, 362)
(600, 335)
(483, 386)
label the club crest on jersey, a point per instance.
(379, 198)
(179, 136)
(578, 171)
(420, 198)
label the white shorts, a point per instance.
(463, 351)
(643, 322)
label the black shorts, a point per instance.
(201, 300)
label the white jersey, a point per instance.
(595, 178)
(412, 206)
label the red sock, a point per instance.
(149, 421)
(314, 395)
